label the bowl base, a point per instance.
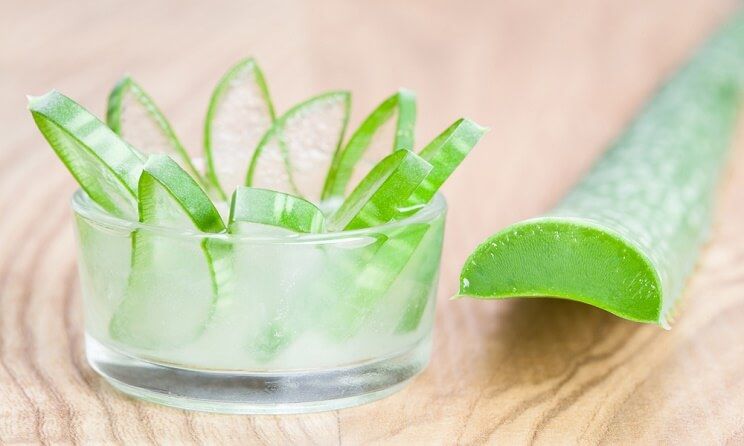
(258, 393)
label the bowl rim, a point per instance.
(84, 207)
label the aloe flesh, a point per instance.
(134, 116)
(106, 167)
(297, 151)
(363, 145)
(157, 294)
(628, 235)
(380, 195)
(240, 112)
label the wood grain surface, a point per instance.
(554, 80)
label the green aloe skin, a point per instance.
(628, 235)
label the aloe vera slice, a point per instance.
(175, 281)
(426, 261)
(105, 166)
(378, 197)
(371, 205)
(371, 284)
(445, 153)
(295, 155)
(133, 115)
(369, 141)
(628, 235)
(268, 207)
(376, 200)
(240, 112)
(303, 310)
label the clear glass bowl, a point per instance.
(269, 322)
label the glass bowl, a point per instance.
(270, 322)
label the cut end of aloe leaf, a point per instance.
(569, 259)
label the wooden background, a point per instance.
(555, 80)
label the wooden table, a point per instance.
(554, 80)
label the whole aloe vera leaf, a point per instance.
(628, 235)
(346, 162)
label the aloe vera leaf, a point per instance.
(295, 154)
(442, 156)
(426, 261)
(268, 207)
(315, 307)
(157, 293)
(249, 207)
(106, 167)
(628, 235)
(380, 195)
(362, 141)
(445, 153)
(134, 116)
(239, 114)
(371, 284)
